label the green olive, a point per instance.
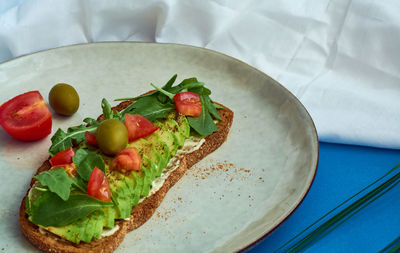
(111, 136)
(64, 99)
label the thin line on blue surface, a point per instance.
(393, 247)
(344, 211)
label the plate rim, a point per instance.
(288, 92)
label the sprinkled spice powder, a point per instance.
(225, 167)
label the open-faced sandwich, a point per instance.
(106, 177)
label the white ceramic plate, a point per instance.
(230, 199)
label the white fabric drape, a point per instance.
(341, 58)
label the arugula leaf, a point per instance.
(57, 181)
(41, 189)
(62, 140)
(166, 93)
(204, 125)
(79, 184)
(108, 112)
(185, 85)
(217, 106)
(106, 109)
(50, 210)
(91, 121)
(201, 91)
(150, 108)
(85, 161)
(211, 107)
(170, 82)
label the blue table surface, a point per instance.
(342, 171)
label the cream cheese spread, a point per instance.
(108, 232)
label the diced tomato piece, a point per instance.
(126, 160)
(138, 126)
(188, 104)
(98, 186)
(26, 117)
(62, 157)
(90, 138)
(69, 168)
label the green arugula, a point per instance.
(108, 112)
(57, 181)
(78, 184)
(50, 210)
(150, 107)
(204, 125)
(85, 161)
(159, 103)
(62, 140)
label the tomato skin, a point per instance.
(126, 160)
(90, 138)
(62, 157)
(26, 117)
(138, 126)
(98, 186)
(188, 103)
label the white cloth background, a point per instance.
(341, 58)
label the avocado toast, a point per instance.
(165, 156)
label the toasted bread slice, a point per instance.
(48, 242)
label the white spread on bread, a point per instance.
(42, 230)
(108, 232)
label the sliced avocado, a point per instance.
(98, 224)
(166, 156)
(129, 190)
(184, 126)
(167, 137)
(147, 178)
(182, 122)
(174, 128)
(159, 147)
(153, 168)
(109, 216)
(160, 163)
(121, 194)
(138, 186)
(83, 230)
(88, 228)
(140, 144)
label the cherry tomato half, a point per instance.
(188, 104)
(26, 117)
(126, 160)
(62, 157)
(138, 126)
(90, 138)
(98, 186)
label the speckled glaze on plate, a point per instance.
(226, 202)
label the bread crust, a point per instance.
(48, 242)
